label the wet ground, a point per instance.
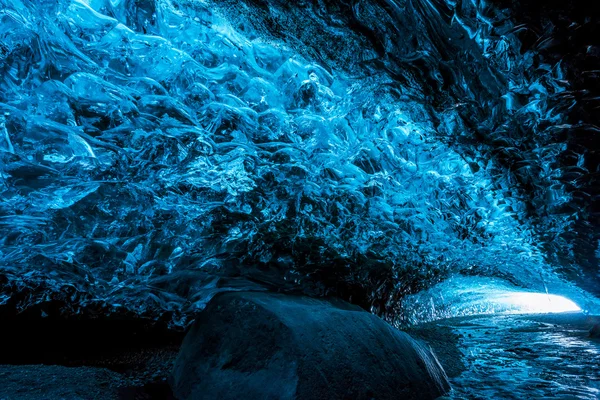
(547, 356)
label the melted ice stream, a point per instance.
(527, 357)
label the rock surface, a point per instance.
(595, 331)
(445, 344)
(270, 346)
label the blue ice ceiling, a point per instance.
(155, 152)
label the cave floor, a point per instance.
(520, 356)
(486, 357)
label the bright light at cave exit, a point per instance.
(525, 302)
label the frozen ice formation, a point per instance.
(153, 152)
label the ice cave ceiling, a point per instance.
(155, 152)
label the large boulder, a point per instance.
(253, 345)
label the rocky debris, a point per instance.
(273, 346)
(34, 382)
(79, 358)
(50, 382)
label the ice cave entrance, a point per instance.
(527, 302)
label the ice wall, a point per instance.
(153, 153)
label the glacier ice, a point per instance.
(153, 154)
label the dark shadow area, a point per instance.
(133, 357)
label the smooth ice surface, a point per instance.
(152, 154)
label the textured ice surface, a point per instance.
(532, 357)
(151, 154)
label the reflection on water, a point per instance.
(527, 357)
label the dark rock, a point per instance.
(268, 346)
(595, 331)
(444, 342)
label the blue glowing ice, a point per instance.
(151, 154)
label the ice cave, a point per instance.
(299, 200)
